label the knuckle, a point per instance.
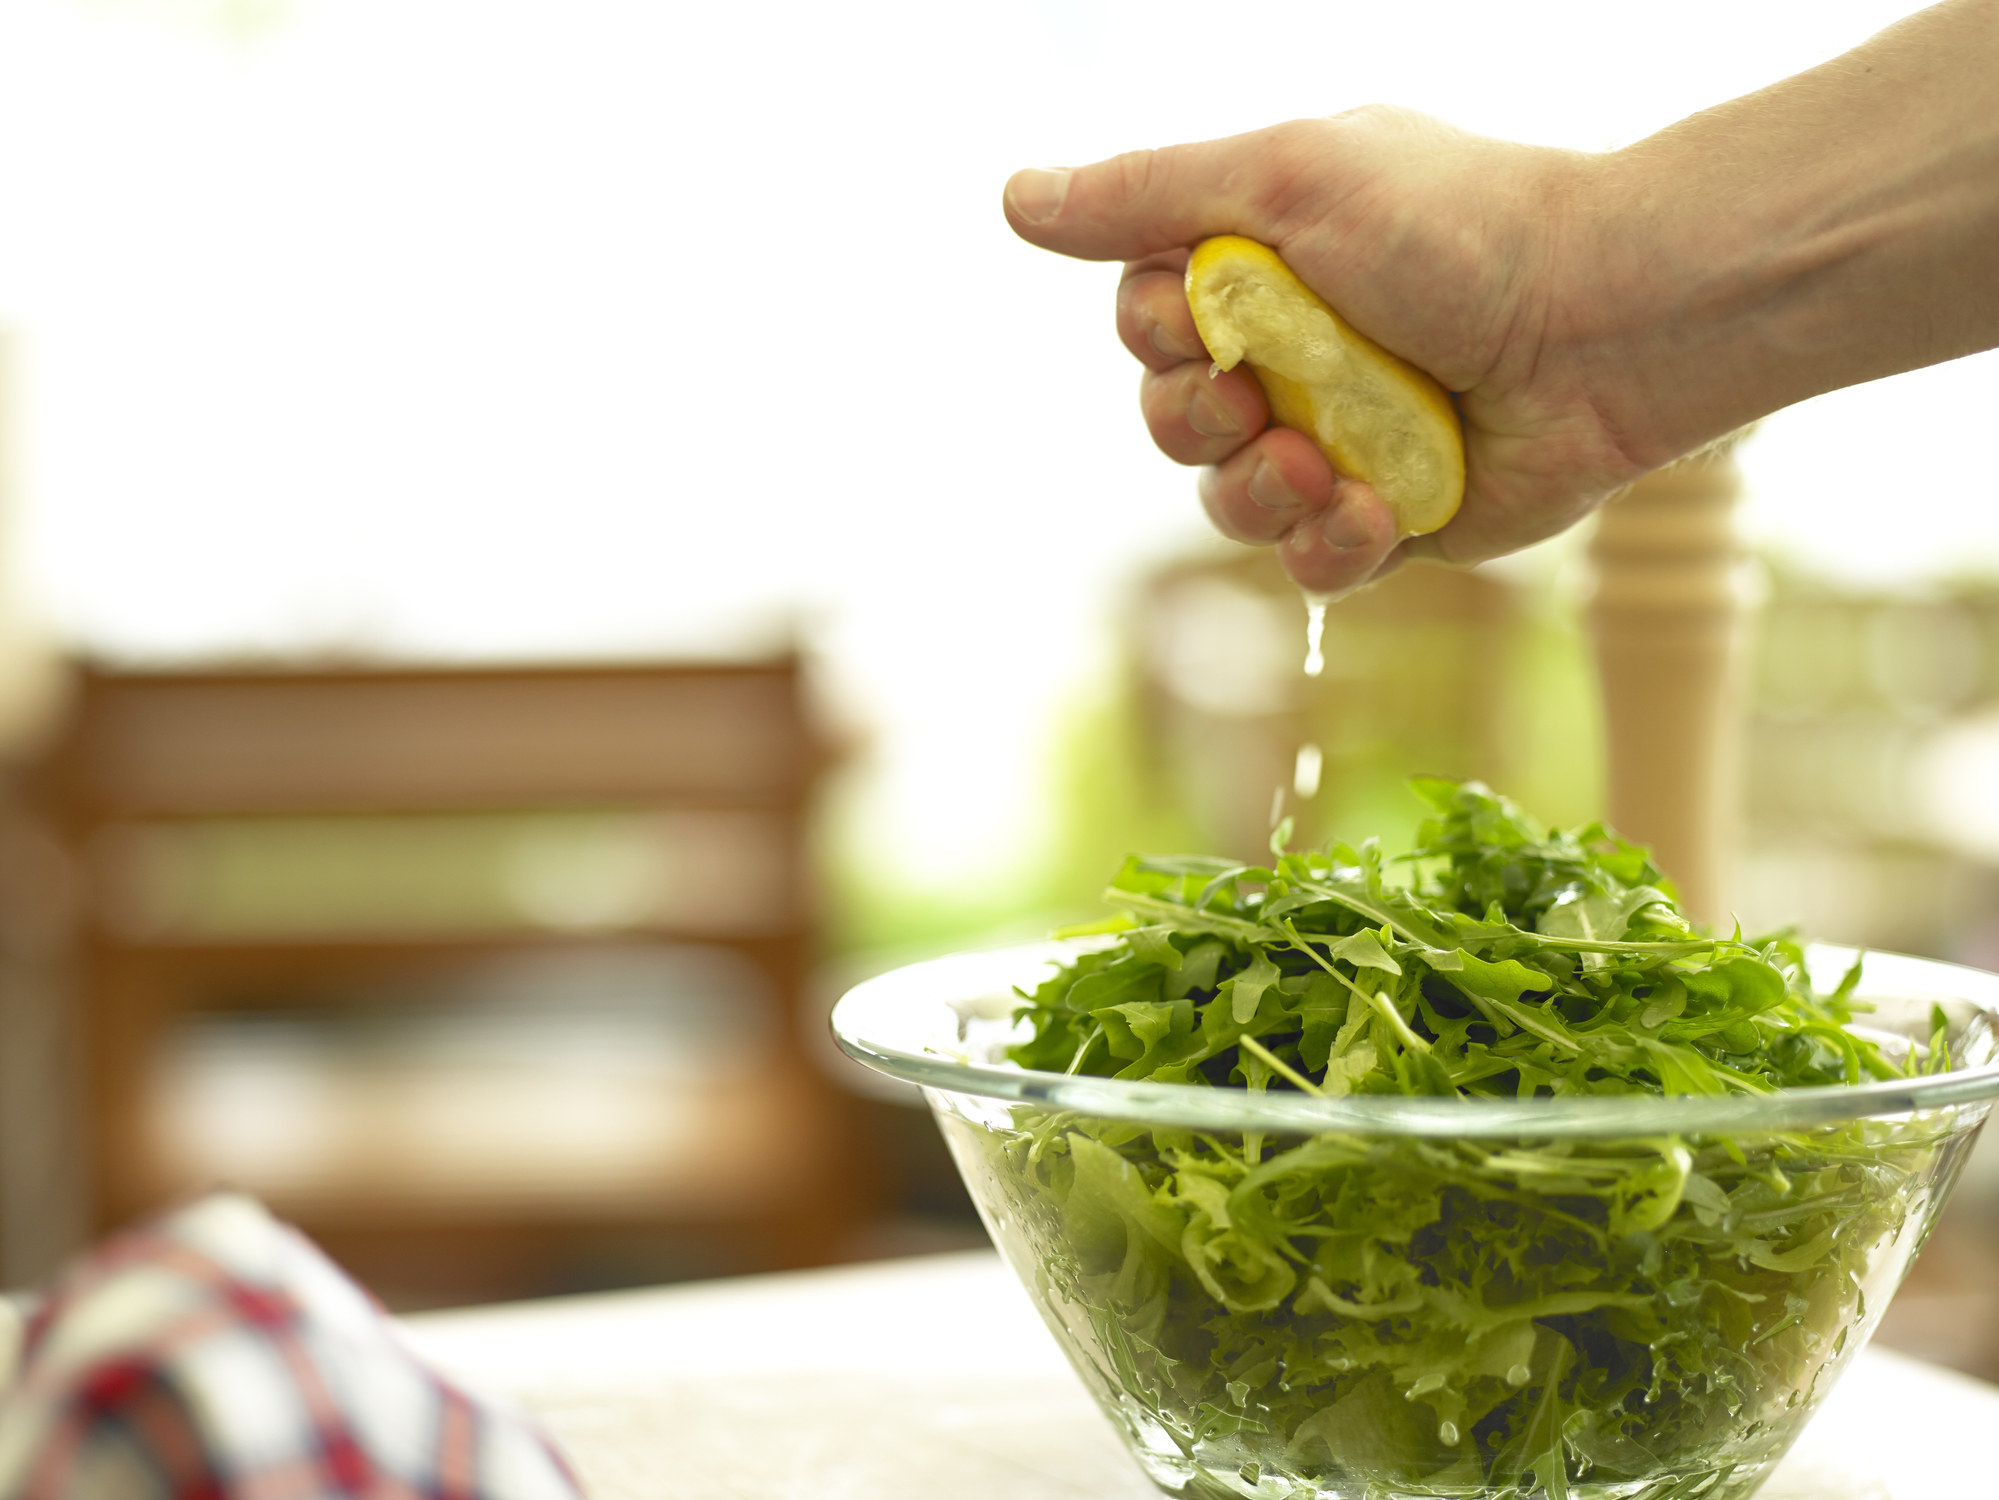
(1163, 409)
(1164, 399)
(1222, 498)
(1134, 175)
(1140, 297)
(1290, 171)
(1382, 121)
(1130, 318)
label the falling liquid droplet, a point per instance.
(1305, 774)
(1311, 762)
(1447, 1434)
(1315, 636)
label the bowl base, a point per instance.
(1187, 1480)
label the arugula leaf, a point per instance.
(1246, 989)
(1439, 1317)
(1364, 951)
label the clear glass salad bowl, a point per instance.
(1285, 1297)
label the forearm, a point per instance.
(1837, 227)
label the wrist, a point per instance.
(1673, 307)
(1830, 230)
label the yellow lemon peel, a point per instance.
(1376, 417)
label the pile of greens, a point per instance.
(1372, 1315)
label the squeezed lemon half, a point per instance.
(1377, 418)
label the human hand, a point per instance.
(1458, 253)
(1598, 316)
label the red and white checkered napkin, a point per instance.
(216, 1355)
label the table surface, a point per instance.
(915, 1379)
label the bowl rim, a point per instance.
(864, 1024)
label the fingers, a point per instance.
(1349, 543)
(1147, 201)
(1153, 320)
(1267, 487)
(1195, 418)
(1194, 415)
(1333, 534)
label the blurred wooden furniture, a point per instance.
(266, 848)
(41, 1210)
(1665, 618)
(915, 1379)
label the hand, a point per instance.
(1455, 252)
(1598, 316)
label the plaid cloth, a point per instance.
(216, 1355)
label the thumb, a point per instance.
(1147, 201)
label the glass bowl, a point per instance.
(1369, 1298)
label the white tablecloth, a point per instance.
(932, 1379)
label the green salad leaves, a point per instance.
(1356, 1315)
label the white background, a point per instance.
(488, 329)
